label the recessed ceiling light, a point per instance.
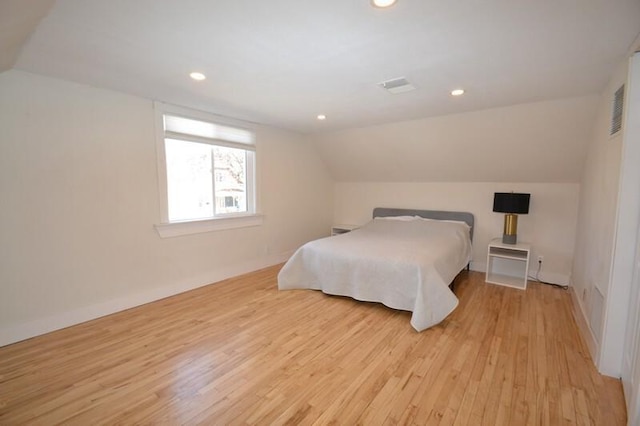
(383, 3)
(457, 92)
(322, 117)
(197, 76)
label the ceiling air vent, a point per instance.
(616, 112)
(397, 85)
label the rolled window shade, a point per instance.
(203, 129)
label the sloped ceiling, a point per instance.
(283, 62)
(534, 142)
(18, 19)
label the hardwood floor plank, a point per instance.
(242, 352)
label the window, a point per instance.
(192, 191)
(208, 168)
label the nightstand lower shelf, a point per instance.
(508, 264)
(505, 280)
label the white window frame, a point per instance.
(167, 228)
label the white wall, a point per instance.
(79, 192)
(549, 226)
(457, 162)
(597, 217)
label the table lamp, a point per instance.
(512, 204)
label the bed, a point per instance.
(404, 259)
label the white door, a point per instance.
(631, 352)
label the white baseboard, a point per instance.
(583, 326)
(16, 332)
(549, 277)
(477, 266)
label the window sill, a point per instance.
(176, 229)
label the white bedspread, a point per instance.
(404, 264)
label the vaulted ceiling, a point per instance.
(283, 62)
(18, 19)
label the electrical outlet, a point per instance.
(540, 259)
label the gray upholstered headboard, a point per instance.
(427, 214)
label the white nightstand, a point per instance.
(342, 229)
(508, 264)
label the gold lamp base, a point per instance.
(510, 233)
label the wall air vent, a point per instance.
(397, 85)
(616, 111)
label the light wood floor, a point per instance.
(242, 352)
